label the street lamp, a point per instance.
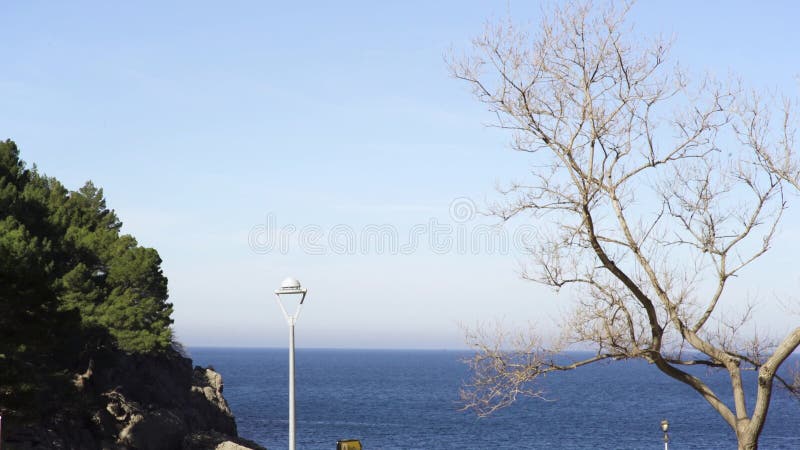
(665, 428)
(290, 288)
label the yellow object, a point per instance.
(350, 444)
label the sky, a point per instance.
(236, 138)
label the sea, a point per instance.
(408, 399)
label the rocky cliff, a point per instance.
(155, 402)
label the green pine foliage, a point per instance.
(68, 277)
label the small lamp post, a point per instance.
(665, 428)
(290, 288)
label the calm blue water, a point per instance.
(407, 400)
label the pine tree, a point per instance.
(70, 283)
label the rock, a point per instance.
(208, 401)
(159, 430)
(228, 445)
(83, 379)
(105, 422)
(217, 441)
(155, 402)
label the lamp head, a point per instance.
(290, 283)
(291, 286)
(665, 425)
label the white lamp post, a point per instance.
(665, 428)
(291, 288)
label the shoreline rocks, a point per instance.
(148, 402)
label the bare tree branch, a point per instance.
(651, 193)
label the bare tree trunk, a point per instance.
(747, 441)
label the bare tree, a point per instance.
(651, 192)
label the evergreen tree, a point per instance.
(70, 283)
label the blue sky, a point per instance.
(203, 122)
